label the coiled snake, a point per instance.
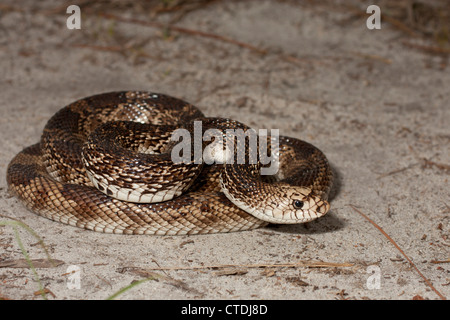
(90, 172)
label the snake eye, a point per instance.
(298, 204)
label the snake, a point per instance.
(105, 163)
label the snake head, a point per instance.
(293, 204)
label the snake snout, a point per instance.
(322, 208)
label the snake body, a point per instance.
(79, 175)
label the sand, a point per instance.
(378, 109)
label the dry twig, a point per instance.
(401, 251)
(183, 30)
(307, 264)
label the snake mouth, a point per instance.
(313, 207)
(278, 216)
(297, 216)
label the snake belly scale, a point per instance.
(77, 176)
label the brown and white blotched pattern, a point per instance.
(134, 166)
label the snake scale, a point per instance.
(103, 163)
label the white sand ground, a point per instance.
(378, 109)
